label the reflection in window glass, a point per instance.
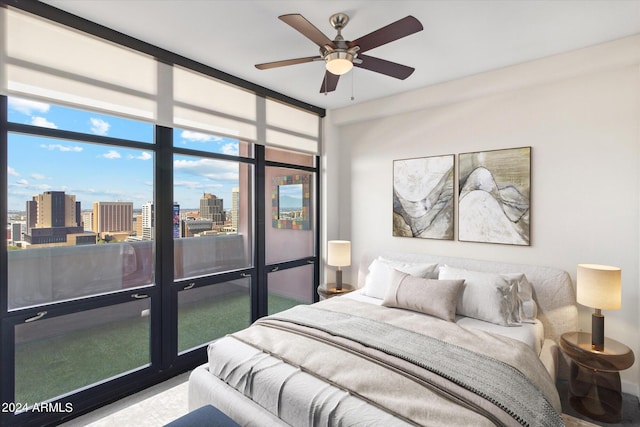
(62, 354)
(212, 229)
(43, 114)
(77, 220)
(291, 157)
(211, 312)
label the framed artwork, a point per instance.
(290, 200)
(423, 191)
(494, 196)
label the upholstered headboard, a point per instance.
(553, 288)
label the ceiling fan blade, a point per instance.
(268, 65)
(307, 29)
(383, 66)
(394, 31)
(329, 83)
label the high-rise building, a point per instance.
(212, 207)
(87, 220)
(235, 207)
(110, 217)
(18, 228)
(52, 216)
(138, 225)
(177, 227)
(148, 221)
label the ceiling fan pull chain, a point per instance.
(352, 84)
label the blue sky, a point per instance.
(96, 172)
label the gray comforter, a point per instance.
(419, 369)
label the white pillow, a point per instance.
(380, 274)
(418, 269)
(527, 310)
(485, 296)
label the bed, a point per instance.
(425, 340)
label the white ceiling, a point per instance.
(460, 37)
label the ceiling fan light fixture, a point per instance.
(339, 62)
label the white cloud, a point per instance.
(27, 107)
(42, 122)
(209, 168)
(111, 154)
(22, 183)
(61, 147)
(99, 126)
(11, 171)
(38, 176)
(230, 149)
(193, 185)
(143, 156)
(198, 137)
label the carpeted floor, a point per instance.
(165, 402)
(153, 407)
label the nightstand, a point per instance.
(329, 290)
(594, 384)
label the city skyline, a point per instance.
(107, 173)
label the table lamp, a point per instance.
(599, 287)
(339, 255)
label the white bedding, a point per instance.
(285, 390)
(289, 392)
(531, 334)
(552, 289)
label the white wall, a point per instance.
(583, 124)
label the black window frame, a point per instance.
(165, 361)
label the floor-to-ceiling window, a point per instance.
(146, 203)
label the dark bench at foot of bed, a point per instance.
(206, 416)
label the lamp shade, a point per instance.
(599, 286)
(339, 253)
(339, 63)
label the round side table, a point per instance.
(594, 384)
(329, 290)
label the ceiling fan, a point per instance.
(341, 55)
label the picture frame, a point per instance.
(290, 201)
(494, 196)
(423, 197)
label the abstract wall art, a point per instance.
(494, 196)
(423, 193)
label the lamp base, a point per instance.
(338, 279)
(597, 330)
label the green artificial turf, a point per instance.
(50, 367)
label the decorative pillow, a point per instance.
(486, 296)
(418, 269)
(379, 276)
(429, 296)
(527, 309)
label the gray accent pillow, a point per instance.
(429, 296)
